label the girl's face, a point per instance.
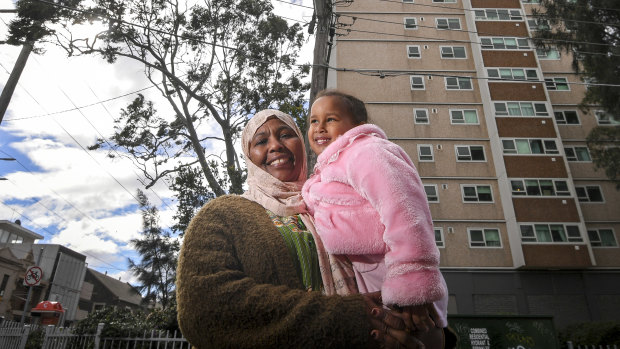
(276, 148)
(329, 119)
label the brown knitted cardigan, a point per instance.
(237, 287)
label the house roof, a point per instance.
(123, 290)
(18, 229)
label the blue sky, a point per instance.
(69, 195)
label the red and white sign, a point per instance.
(33, 276)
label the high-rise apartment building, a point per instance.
(524, 222)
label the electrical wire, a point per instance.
(52, 234)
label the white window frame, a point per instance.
(462, 111)
(586, 199)
(552, 84)
(448, 24)
(573, 149)
(411, 77)
(476, 188)
(499, 43)
(441, 53)
(599, 240)
(496, 74)
(484, 237)
(563, 120)
(560, 187)
(442, 241)
(409, 53)
(456, 151)
(458, 80)
(411, 27)
(604, 118)
(520, 104)
(428, 146)
(415, 116)
(511, 14)
(434, 186)
(535, 24)
(533, 239)
(543, 54)
(547, 148)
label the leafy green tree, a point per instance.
(603, 144)
(215, 62)
(589, 29)
(158, 251)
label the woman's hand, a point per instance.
(418, 317)
(389, 329)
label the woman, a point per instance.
(248, 262)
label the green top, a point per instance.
(302, 248)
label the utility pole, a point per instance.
(9, 88)
(323, 13)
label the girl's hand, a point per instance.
(418, 317)
(388, 327)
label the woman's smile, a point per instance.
(275, 147)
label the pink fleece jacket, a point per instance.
(368, 202)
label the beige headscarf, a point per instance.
(284, 199)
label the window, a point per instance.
(417, 82)
(431, 192)
(439, 237)
(530, 1)
(458, 83)
(413, 51)
(550, 233)
(538, 24)
(464, 116)
(530, 146)
(548, 53)
(539, 187)
(448, 23)
(5, 279)
(513, 73)
(498, 15)
(577, 154)
(408, 1)
(589, 193)
(470, 153)
(484, 237)
(420, 116)
(410, 23)
(566, 117)
(502, 43)
(446, 1)
(598, 238)
(557, 84)
(457, 52)
(477, 193)
(425, 152)
(603, 118)
(521, 109)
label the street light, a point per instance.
(8, 159)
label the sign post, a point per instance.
(33, 277)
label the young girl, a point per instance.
(369, 203)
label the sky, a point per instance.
(73, 197)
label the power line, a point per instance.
(52, 234)
(470, 31)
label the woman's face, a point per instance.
(276, 148)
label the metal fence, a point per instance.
(15, 336)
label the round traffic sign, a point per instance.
(33, 276)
